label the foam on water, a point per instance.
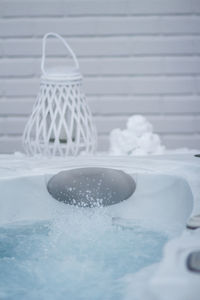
(79, 255)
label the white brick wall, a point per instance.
(136, 57)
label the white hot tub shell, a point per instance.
(167, 194)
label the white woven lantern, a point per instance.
(61, 121)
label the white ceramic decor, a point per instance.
(61, 121)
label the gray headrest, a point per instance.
(91, 187)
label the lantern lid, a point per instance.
(61, 73)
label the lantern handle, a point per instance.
(65, 44)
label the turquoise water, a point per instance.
(77, 256)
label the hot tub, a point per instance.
(50, 250)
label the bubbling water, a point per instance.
(76, 256)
